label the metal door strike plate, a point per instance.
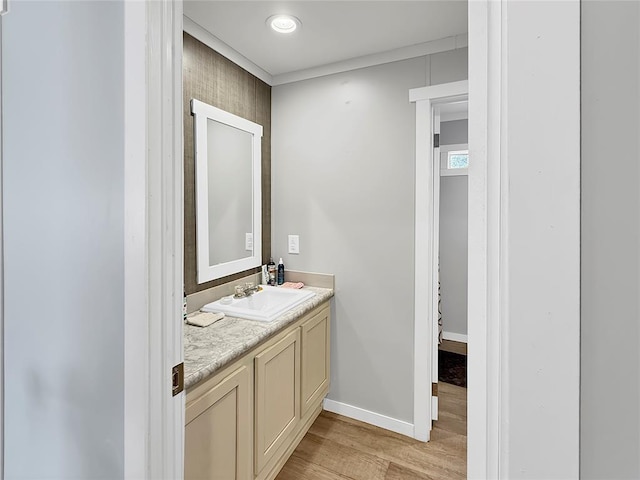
(178, 379)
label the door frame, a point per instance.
(426, 259)
(488, 440)
(502, 127)
(487, 250)
(153, 243)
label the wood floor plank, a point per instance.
(452, 415)
(398, 472)
(456, 397)
(450, 424)
(350, 462)
(298, 468)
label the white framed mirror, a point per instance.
(228, 192)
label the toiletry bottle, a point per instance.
(271, 267)
(280, 272)
(184, 305)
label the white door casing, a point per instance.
(483, 407)
(427, 189)
(435, 246)
(165, 236)
(154, 419)
(524, 62)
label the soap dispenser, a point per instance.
(280, 272)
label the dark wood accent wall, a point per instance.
(213, 79)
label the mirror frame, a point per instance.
(203, 112)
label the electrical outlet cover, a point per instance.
(294, 244)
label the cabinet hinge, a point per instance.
(436, 140)
(177, 374)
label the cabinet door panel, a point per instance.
(315, 358)
(217, 434)
(277, 396)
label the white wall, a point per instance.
(454, 132)
(343, 179)
(453, 237)
(63, 229)
(610, 361)
(453, 253)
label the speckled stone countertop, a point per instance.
(208, 349)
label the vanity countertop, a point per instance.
(208, 349)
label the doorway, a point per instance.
(426, 296)
(453, 231)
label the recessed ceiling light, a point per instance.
(283, 23)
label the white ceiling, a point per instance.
(454, 111)
(331, 32)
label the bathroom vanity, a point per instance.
(254, 389)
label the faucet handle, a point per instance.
(240, 291)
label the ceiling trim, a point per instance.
(213, 42)
(404, 53)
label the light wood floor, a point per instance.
(453, 347)
(338, 447)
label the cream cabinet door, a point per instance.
(217, 432)
(315, 359)
(277, 408)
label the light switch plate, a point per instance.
(248, 241)
(294, 244)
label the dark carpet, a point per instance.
(452, 368)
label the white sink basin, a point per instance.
(266, 305)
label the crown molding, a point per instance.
(213, 42)
(404, 53)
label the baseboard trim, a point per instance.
(455, 337)
(372, 418)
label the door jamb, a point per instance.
(488, 256)
(165, 235)
(154, 419)
(426, 269)
(137, 382)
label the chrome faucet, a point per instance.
(246, 290)
(250, 288)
